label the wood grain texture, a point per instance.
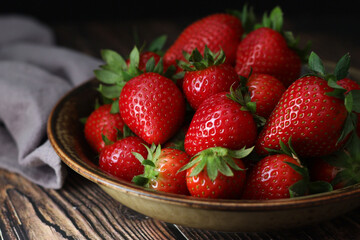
(81, 210)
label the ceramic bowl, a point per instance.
(65, 132)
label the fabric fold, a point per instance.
(34, 74)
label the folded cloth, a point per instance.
(34, 74)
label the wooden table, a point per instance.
(81, 210)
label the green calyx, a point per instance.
(126, 132)
(348, 159)
(150, 171)
(305, 186)
(242, 96)
(196, 61)
(246, 16)
(351, 99)
(217, 159)
(275, 21)
(116, 71)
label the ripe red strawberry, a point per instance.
(321, 170)
(217, 173)
(205, 76)
(312, 113)
(342, 168)
(118, 159)
(271, 178)
(265, 90)
(152, 106)
(266, 50)
(162, 170)
(281, 175)
(144, 58)
(350, 85)
(220, 122)
(102, 122)
(217, 31)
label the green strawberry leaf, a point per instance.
(110, 92)
(247, 17)
(216, 159)
(157, 44)
(298, 189)
(140, 180)
(320, 187)
(342, 67)
(115, 106)
(316, 65)
(108, 76)
(115, 61)
(355, 95)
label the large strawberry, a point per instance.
(217, 172)
(217, 31)
(281, 175)
(206, 75)
(312, 112)
(152, 106)
(162, 170)
(220, 121)
(266, 50)
(118, 159)
(102, 122)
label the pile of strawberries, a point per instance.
(233, 109)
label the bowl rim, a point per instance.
(95, 175)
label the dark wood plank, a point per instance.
(80, 210)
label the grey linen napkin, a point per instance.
(34, 74)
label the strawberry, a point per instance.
(206, 75)
(220, 121)
(281, 175)
(312, 112)
(144, 58)
(321, 170)
(102, 122)
(153, 50)
(217, 31)
(162, 170)
(266, 50)
(265, 90)
(118, 160)
(341, 168)
(152, 106)
(350, 85)
(271, 178)
(217, 172)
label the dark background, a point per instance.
(67, 10)
(336, 22)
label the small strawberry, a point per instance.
(281, 175)
(265, 90)
(162, 170)
(266, 50)
(206, 75)
(217, 31)
(102, 122)
(118, 159)
(350, 85)
(220, 121)
(321, 170)
(152, 106)
(217, 172)
(342, 168)
(314, 111)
